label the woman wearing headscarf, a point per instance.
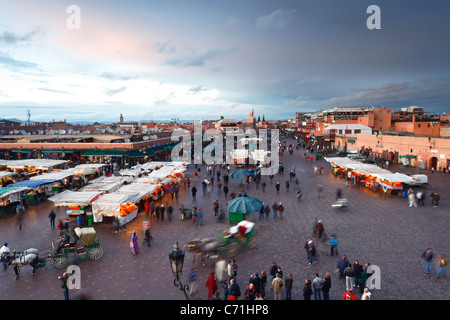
(134, 243)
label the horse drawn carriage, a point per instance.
(227, 245)
(59, 256)
(91, 247)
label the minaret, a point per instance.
(121, 118)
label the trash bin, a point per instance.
(404, 194)
(89, 219)
(80, 220)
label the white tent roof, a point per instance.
(54, 175)
(112, 179)
(6, 174)
(153, 180)
(111, 201)
(130, 172)
(143, 189)
(87, 168)
(37, 163)
(103, 187)
(69, 198)
(394, 177)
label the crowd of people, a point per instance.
(278, 285)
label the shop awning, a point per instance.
(57, 151)
(136, 154)
(109, 153)
(21, 150)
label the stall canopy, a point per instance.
(111, 179)
(43, 164)
(394, 177)
(60, 175)
(109, 205)
(4, 174)
(33, 183)
(75, 198)
(7, 191)
(87, 168)
(101, 187)
(144, 190)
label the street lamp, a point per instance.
(176, 258)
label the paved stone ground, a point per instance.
(382, 231)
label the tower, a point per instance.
(121, 118)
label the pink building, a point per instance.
(419, 151)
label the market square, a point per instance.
(384, 231)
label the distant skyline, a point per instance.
(196, 60)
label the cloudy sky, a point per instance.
(196, 60)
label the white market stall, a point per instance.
(144, 190)
(119, 205)
(112, 179)
(35, 164)
(392, 181)
(101, 187)
(10, 199)
(77, 203)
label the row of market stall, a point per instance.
(120, 196)
(21, 182)
(87, 192)
(370, 175)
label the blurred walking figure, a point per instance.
(334, 245)
(428, 258)
(193, 281)
(147, 236)
(319, 190)
(52, 217)
(441, 266)
(412, 200)
(435, 197)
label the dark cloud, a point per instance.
(112, 92)
(424, 92)
(197, 89)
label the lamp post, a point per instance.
(176, 258)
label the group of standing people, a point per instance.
(429, 258)
(415, 199)
(355, 276)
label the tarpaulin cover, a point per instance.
(109, 205)
(6, 191)
(143, 189)
(54, 175)
(32, 183)
(75, 198)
